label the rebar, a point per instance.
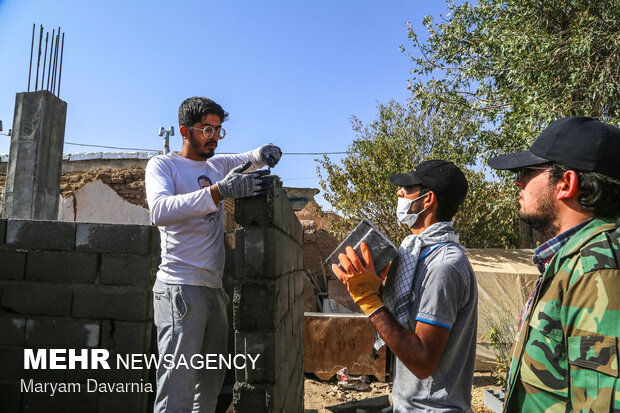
(31, 49)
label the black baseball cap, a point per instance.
(443, 177)
(579, 142)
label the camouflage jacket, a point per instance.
(566, 355)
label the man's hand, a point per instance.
(361, 280)
(270, 154)
(241, 185)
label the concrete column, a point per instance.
(35, 158)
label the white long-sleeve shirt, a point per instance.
(190, 223)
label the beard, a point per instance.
(545, 218)
(204, 153)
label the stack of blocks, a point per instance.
(268, 304)
(71, 285)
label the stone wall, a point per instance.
(268, 304)
(74, 285)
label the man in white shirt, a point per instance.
(188, 299)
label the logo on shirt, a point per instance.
(205, 182)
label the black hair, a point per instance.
(192, 110)
(600, 194)
(446, 210)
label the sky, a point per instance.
(289, 72)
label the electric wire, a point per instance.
(226, 153)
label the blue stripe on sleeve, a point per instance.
(435, 323)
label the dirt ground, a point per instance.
(318, 394)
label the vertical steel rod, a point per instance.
(49, 69)
(36, 82)
(31, 49)
(62, 49)
(47, 35)
(55, 60)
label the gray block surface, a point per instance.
(62, 267)
(12, 264)
(382, 250)
(128, 269)
(108, 302)
(113, 238)
(37, 298)
(40, 235)
(45, 332)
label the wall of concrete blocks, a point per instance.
(74, 285)
(268, 304)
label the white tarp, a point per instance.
(506, 279)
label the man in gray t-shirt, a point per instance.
(427, 312)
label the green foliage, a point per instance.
(502, 333)
(396, 142)
(485, 81)
(511, 67)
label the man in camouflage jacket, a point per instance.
(566, 355)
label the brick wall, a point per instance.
(74, 285)
(268, 304)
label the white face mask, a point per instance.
(402, 211)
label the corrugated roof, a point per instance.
(87, 156)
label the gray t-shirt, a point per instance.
(446, 295)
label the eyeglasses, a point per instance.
(523, 174)
(208, 131)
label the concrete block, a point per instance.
(113, 239)
(75, 402)
(254, 343)
(282, 291)
(291, 289)
(117, 303)
(250, 252)
(124, 402)
(13, 330)
(250, 398)
(300, 259)
(280, 340)
(298, 315)
(155, 241)
(299, 284)
(113, 375)
(288, 330)
(62, 333)
(37, 298)
(2, 231)
(62, 267)
(255, 211)
(11, 396)
(291, 224)
(12, 368)
(127, 269)
(40, 235)
(11, 363)
(254, 306)
(13, 264)
(124, 337)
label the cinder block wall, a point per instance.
(268, 304)
(74, 285)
